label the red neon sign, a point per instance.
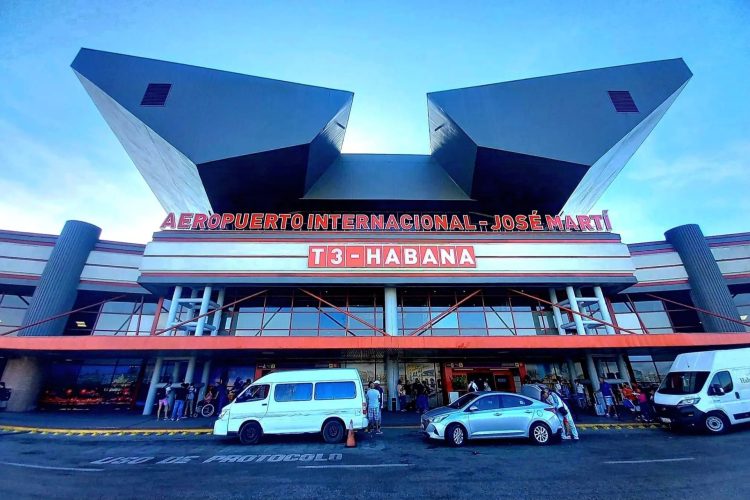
(391, 256)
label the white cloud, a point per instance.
(43, 187)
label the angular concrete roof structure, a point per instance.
(215, 140)
(210, 140)
(550, 143)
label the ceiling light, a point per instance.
(81, 324)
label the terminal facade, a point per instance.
(482, 260)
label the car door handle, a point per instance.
(529, 411)
(498, 414)
(737, 395)
(264, 404)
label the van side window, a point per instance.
(292, 392)
(335, 390)
(254, 393)
(723, 380)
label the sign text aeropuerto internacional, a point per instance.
(260, 221)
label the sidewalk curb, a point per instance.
(206, 431)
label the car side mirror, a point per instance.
(473, 408)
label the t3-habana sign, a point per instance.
(385, 222)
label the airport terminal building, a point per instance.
(482, 259)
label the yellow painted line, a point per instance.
(102, 432)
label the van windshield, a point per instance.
(682, 383)
(254, 393)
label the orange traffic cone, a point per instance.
(350, 441)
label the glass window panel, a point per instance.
(621, 307)
(499, 319)
(333, 320)
(523, 317)
(108, 324)
(274, 333)
(118, 307)
(335, 390)
(276, 320)
(414, 320)
(249, 320)
(303, 321)
(13, 301)
(474, 332)
(13, 317)
(655, 320)
(304, 333)
(333, 333)
(500, 331)
(364, 333)
(445, 332)
(471, 320)
(369, 318)
(649, 306)
(629, 321)
(448, 321)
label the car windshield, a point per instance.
(463, 401)
(254, 393)
(681, 383)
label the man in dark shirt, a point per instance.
(180, 394)
(609, 400)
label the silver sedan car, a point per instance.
(484, 415)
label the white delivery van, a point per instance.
(708, 390)
(297, 402)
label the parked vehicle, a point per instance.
(297, 402)
(706, 390)
(484, 415)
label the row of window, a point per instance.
(282, 393)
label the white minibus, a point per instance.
(297, 402)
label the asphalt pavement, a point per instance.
(646, 463)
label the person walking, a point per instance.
(563, 414)
(374, 401)
(180, 395)
(163, 399)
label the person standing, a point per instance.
(486, 386)
(401, 391)
(222, 396)
(609, 399)
(563, 414)
(580, 394)
(473, 387)
(180, 394)
(190, 401)
(380, 389)
(374, 400)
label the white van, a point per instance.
(708, 390)
(297, 402)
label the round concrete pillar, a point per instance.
(23, 376)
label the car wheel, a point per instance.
(455, 434)
(250, 433)
(333, 432)
(540, 434)
(716, 423)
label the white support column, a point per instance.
(204, 380)
(593, 375)
(174, 306)
(574, 306)
(175, 372)
(391, 372)
(556, 311)
(148, 407)
(604, 309)
(216, 320)
(190, 372)
(203, 310)
(622, 367)
(391, 311)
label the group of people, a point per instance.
(180, 397)
(416, 393)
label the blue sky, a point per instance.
(59, 160)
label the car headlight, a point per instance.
(439, 418)
(689, 401)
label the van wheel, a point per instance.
(455, 434)
(250, 433)
(333, 432)
(716, 423)
(540, 434)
